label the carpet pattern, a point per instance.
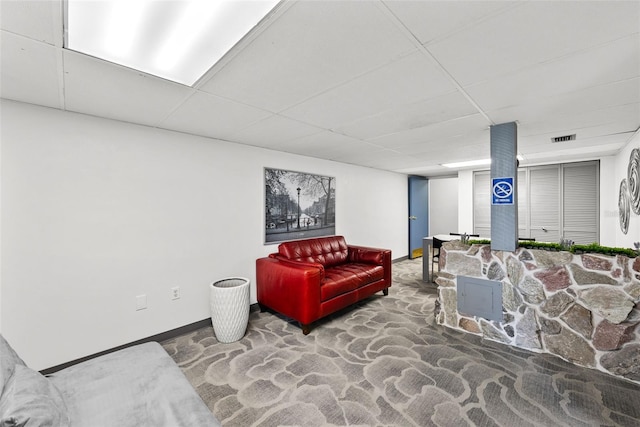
(385, 362)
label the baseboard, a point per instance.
(404, 258)
(163, 336)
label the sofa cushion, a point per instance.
(328, 251)
(30, 399)
(347, 277)
(134, 387)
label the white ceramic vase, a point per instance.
(229, 299)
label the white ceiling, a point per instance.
(396, 85)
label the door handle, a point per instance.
(413, 217)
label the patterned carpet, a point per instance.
(385, 362)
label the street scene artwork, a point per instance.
(298, 205)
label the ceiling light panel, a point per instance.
(470, 163)
(176, 40)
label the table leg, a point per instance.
(426, 260)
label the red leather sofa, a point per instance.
(312, 278)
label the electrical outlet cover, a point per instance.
(141, 302)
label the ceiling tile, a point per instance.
(212, 116)
(471, 146)
(411, 116)
(617, 61)
(314, 46)
(395, 85)
(373, 157)
(430, 20)
(38, 20)
(576, 103)
(469, 125)
(331, 146)
(592, 148)
(272, 131)
(531, 34)
(624, 118)
(468, 145)
(325, 144)
(100, 88)
(29, 71)
(404, 81)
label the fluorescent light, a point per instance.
(469, 163)
(175, 40)
(185, 32)
(123, 24)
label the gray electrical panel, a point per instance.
(480, 297)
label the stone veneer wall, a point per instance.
(583, 308)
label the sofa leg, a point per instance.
(305, 329)
(385, 291)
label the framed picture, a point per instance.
(298, 205)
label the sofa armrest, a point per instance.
(377, 256)
(367, 255)
(289, 287)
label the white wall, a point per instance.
(609, 184)
(443, 206)
(95, 212)
(465, 200)
(616, 171)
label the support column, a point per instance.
(504, 185)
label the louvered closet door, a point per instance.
(523, 204)
(544, 197)
(482, 204)
(581, 202)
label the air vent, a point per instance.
(564, 138)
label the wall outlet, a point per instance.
(175, 292)
(141, 302)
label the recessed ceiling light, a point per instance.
(175, 40)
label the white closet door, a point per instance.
(554, 201)
(581, 202)
(482, 204)
(544, 196)
(523, 205)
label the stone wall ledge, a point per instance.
(584, 308)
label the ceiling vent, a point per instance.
(564, 138)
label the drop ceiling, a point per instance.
(402, 86)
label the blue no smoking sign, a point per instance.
(502, 191)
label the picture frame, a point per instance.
(298, 205)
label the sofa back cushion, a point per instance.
(328, 251)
